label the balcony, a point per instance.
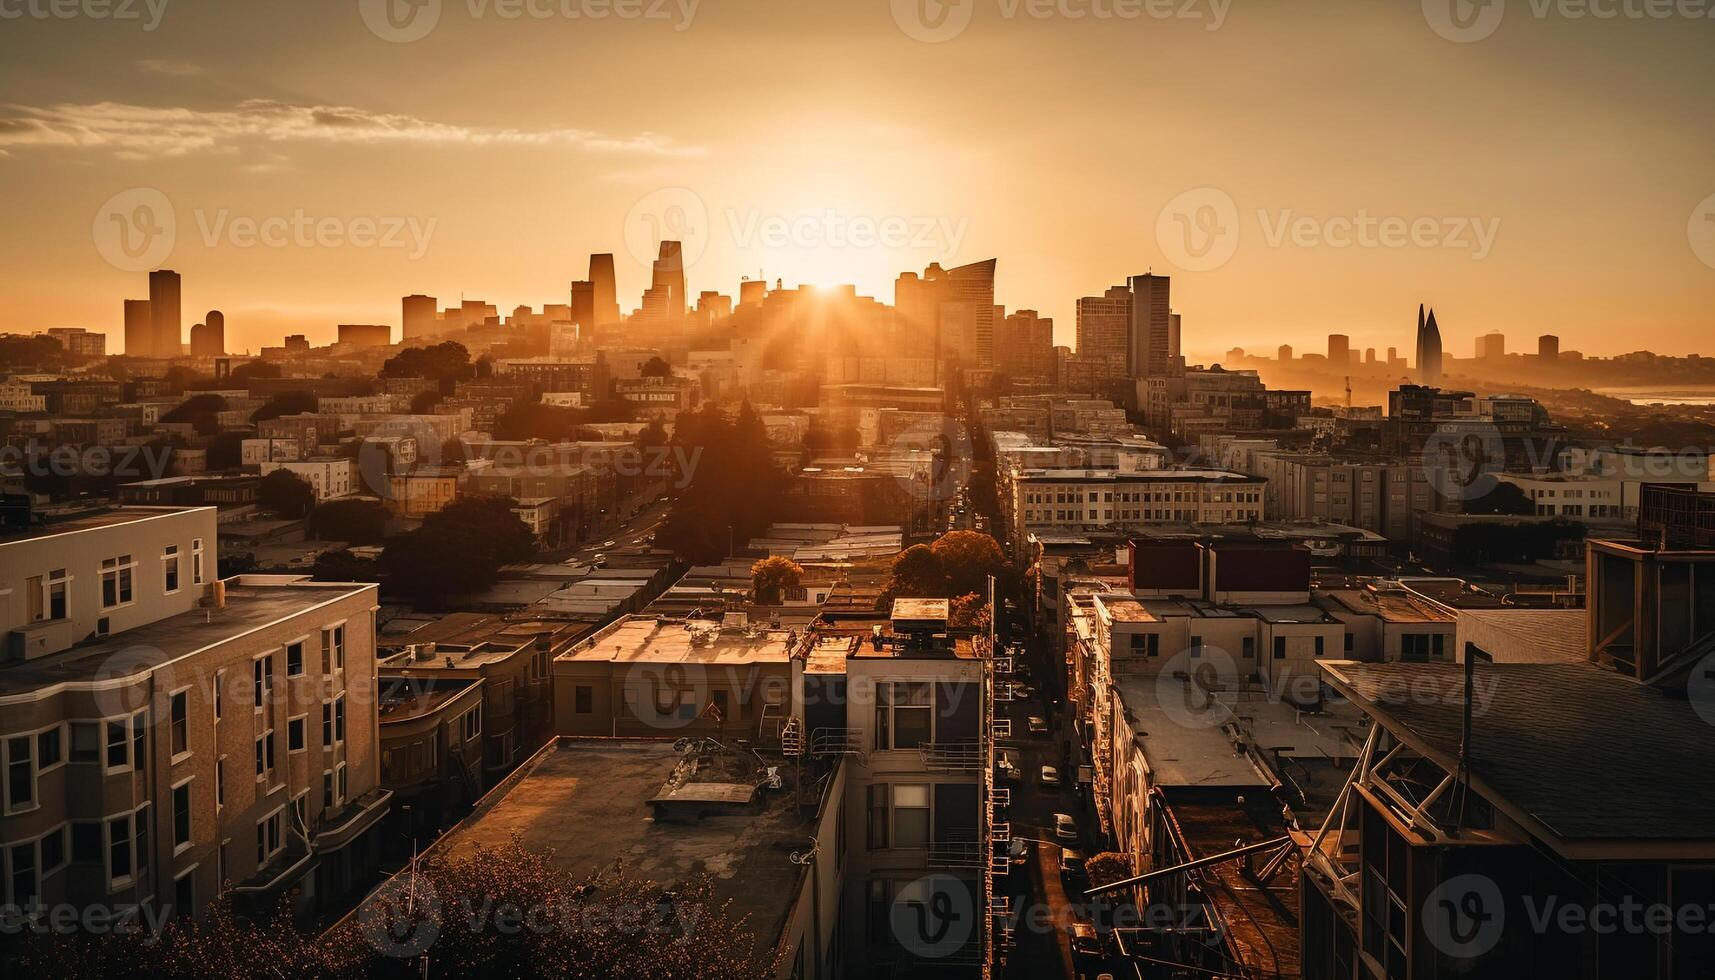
(954, 756)
(825, 742)
(956, 854)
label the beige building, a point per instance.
(1114, 501)
(169, 737)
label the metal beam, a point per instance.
(1237, 852)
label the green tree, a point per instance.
(458, 549)
(447, 363)
(734, 486)
(286, 494)
(772, 577)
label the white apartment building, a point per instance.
(330, 476)
(1112, 501)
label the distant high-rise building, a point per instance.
(583, 305)
(606, 288)
(668, 274)
(139, 329)
(1151, 351)
(79, 341)
(1428, 348)
(366, 334)
(1285, 353)
(1339, 350)
(751, 292)
(1369, 355)
(1103, 329)
(208, 338)
(419, 317)
(1024, 346)
(948, 314)
(712, 307)
(168, 330)
(1548, 348)
(1492, 346)
(1392, 354)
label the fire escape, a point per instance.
(996, 826)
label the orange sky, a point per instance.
(826, 142)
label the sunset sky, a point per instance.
(769, 132)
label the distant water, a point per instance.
(1682, 395)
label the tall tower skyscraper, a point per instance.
(1548, 348)
(208, 338)
(583, 306)
(606, 288)
(168, 329)
(1103, 327)
(1151, 349)
(139, 329)
(668, 275)
(419, 316)
(1428, 348)
(1339, 350)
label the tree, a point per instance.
(343, 566)
(1108, 867)
(226, 451)
(917, 574)
(458, 549)
(18, 352)
(969, 611)
(653, 434)
(447, 363)
(285, 403)
(772, 577)
(424, 402)
(353, 521)
(286, 494)
(655, 367)
(253, 371)
(969, 558)
(201, 411)
(526, 420)
(734, 486)
(1502, 498)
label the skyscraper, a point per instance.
(1339, 350)
(1285, 353)
(668, 275)
(1492, 346)
(583, 306)
(208, 338)
(1428, 348)
(970, 288)
(139, 329)
(1548, 348)
(605, 287)
(1103, 326)
(168, 328)
(419, 317)
(1151, 350)
(751, 292)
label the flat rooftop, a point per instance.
(92, 520)
(1591, 757)
(586, 802)
(645, 638)
(1393, 607)
(248, 608)
(405, 698)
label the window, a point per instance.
(877, 806)
(47, 595)
(219, 783)
(219, 693)
(118, 745)
(583, 699)
(116, 581)
(295, 734)
(339, 719)
(328, 800)
(20, 773)
(904, 715)
(294, 659)
(268, 836)
(333, 649)
(910, 816)
(339, 772)
(262, 669)
(181, 725)
(196, 561)
(25, 884)
(53, 850)
(265, 753)
(184, 893)
(1349, 641)
(1320, 642)
(1280, 648)
(170, 569)
(85, 741)
(327, 722)
(181, 816)
(1247, 647)
(470, 723)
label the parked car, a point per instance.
(1084, 941)
(1064, 828)
(1019, 850)
(1037, 725)
(1050, 776)
(1008, 768)
(1022, 692)
(598, 561)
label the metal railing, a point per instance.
(953, 756)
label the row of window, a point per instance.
(117, 744)
(1149, 645)
(1146, 497)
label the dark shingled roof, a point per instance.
(1588, 754)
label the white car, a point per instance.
(1064, 828)
(1037, 724)
(1050, 776)
(1008, 768)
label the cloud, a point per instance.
(163, 66)
(134, 131)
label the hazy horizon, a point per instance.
(1555, 176)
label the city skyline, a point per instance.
(313, 114)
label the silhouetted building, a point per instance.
(1152, 350)
(366, 334)
(668, 275)
(1548, 347)
(208, 338)
(168, 329)
(605, 288)
(1492, 346)
(139, 329)
(1103, 327)
(751, 292)
(419, 317)
(1285, 353)
(1339, 350)
(1428, 348)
